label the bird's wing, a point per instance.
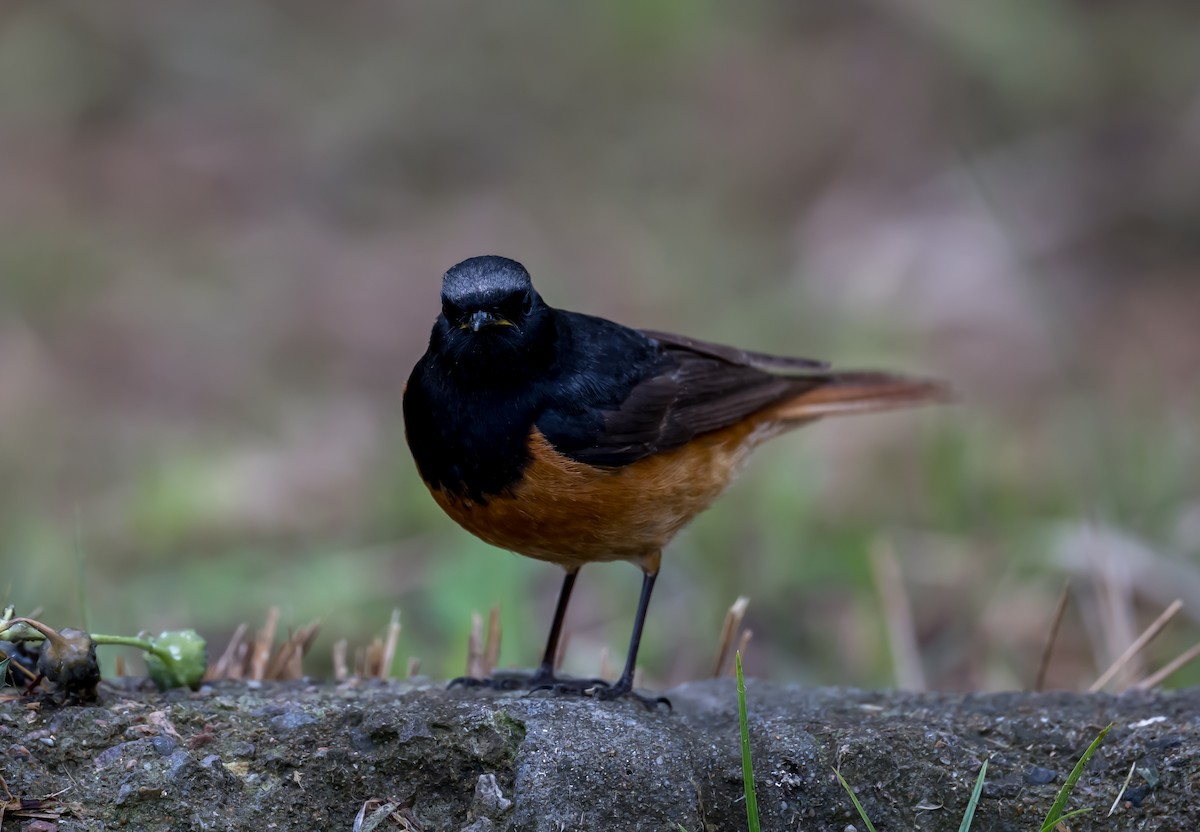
(733, 355)
(683, 388)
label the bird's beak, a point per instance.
(482, 318)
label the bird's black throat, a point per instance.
(472, 401)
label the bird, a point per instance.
(573, 439)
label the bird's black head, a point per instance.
(492, 317)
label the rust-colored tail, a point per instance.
(859, 392)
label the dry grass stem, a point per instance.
(1124, 786)
(491, 650)
(414, 666)
(560, 654)
(475, 648)
(1158, 677)
(1051, 637)
(263, 640)
(744, 641)
(260, 660)
(390, 644)
(729, 631)
(341, 671)
(230, 665)
(288, 661)
(901, 630)
(373, 659)
(1140, 643)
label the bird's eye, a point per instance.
(451, 312)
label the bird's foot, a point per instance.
(623, 689)
(547, 681)
(538, 680)
(505, 681)
(601, 689)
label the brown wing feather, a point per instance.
(733, 355)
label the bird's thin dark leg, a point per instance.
(545, 673)
(624, 685)
(544, 676)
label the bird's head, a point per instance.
(490, 311)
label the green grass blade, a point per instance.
(747, 766)
(969, 815)
(1064, 794)
(1075, 812)
(862, 813)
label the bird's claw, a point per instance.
(542, 682)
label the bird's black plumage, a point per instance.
(573, 439)
(601, 393)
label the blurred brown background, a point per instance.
(222, 230)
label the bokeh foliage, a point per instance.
(222, 226)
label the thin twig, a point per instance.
(1138, 644)
(1052, 636)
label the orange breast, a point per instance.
(570, 513)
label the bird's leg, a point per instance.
(544, 676)
(624, 686)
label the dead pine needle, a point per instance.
(901, 630)
(1060, 610)
(1138, 645)
(729, 631)
(414, 667)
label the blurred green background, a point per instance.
(222, 230)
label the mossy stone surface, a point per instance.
(298, 756)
